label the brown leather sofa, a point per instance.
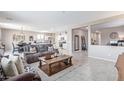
(120, 67)
(25, 77)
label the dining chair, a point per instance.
(15, 48)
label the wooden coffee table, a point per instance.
(55, 64)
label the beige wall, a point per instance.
(7, 36)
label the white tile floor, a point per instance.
(84, 69)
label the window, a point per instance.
(40, 37)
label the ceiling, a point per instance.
(50, 20)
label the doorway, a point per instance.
(80, 40)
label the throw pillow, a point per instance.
(50, 49)
(19, 64)
(9, 67)
(32, 49)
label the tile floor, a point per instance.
(83, 69)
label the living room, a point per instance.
(53, 45)
(61, 46)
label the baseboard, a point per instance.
(102, 59)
